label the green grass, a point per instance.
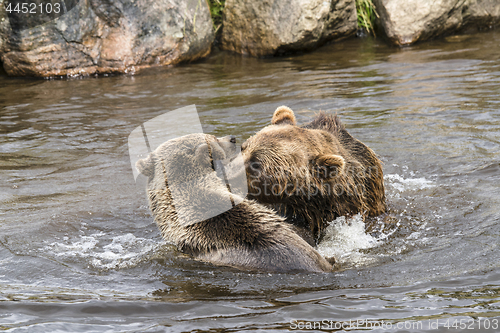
(216, 10)
(366, 15)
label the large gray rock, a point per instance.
(271, 27)
(406, 22)
(482, 13)
(105, 36)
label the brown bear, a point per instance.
(192, 204)
(314, 173)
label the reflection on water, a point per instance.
(79, 250)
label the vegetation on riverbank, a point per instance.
(216, 10)
(366, 15)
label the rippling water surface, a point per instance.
(79, 250)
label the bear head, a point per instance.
(187, 181)
(283, 159)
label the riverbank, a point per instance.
(102, 37)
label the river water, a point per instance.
(79, 251)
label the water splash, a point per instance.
(124, 251)
(407, 184)
(343, 239)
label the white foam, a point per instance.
(124, 251)
(343, 239)
(84, 245)
(404, 184)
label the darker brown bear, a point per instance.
(199, 211)
(314, 173)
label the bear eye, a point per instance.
(233, 139)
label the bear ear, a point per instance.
(146, 166)
(206, 154)
(327, 166)
(202, 154)
(283, 115)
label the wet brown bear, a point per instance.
(194, 209)
(314, 173)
